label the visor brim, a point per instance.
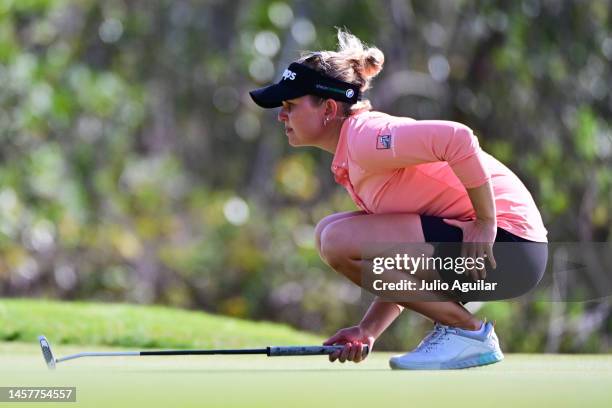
(273, 96)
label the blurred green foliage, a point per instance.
(134, 166)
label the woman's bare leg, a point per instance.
(343, 240)
(330, 219)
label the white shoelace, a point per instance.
(435, 338)
(437, 331)
(434, 343)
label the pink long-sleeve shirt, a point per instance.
(392, 164)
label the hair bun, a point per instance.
(373, 61)
(366, 61)
(353, 61)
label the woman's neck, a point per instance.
(331, 135)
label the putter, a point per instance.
(272, 351)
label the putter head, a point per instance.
(46, 351)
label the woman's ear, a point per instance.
(331, 108)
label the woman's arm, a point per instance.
(379, 316)
(479, 234)
(425, 141)
(483, 201)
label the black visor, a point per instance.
(299, 80)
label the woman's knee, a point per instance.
(342, 239)
(336, 245)
(321, 225)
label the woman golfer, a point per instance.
(415, 182)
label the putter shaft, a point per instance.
(272, 351)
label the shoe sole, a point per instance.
(482, 360)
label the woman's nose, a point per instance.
(282, 115)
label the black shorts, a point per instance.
(520, 263)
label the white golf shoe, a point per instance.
(448, 347)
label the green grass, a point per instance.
(259, 381)
(136, 326)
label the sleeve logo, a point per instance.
(383, 142)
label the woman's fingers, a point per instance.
(477, 253)
(350, 352)
(334, 356)
(480, 256)
(355, 354)
(345, 352)
(481, 272)
(471, 254)
(490, 256)
(474, 275)
(475, 246)
(454, 223)
(359, 354)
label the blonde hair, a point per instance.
(353, 62)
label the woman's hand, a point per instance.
(353, 338)
(478, 239)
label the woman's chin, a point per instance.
(296, 141)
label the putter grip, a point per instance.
(306, 350)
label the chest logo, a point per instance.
(383, 142)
